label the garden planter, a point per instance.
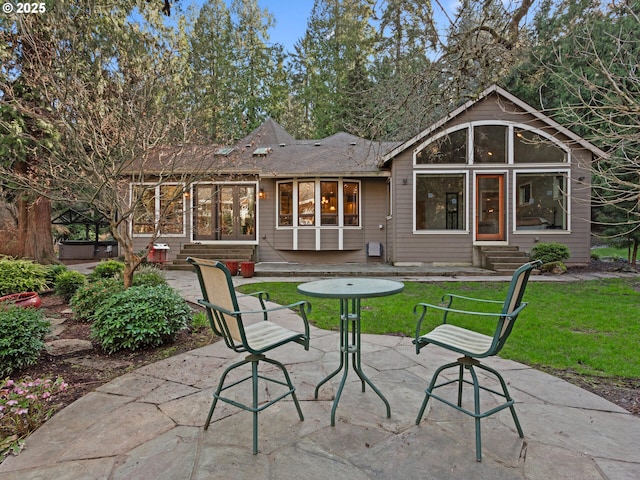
(247, 269)
(232, 266)
(25, 299)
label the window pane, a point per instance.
(490, 144)
(440, 202)
(171, 209)
(451, 148)
(285, 196)
(529, 147)
(351, 202)
(144, 209)
(541, 201)
(306, 203)
(329, 203)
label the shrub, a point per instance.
(22, 332)
(52, 271)
(550, 252)
(24, 406)
(148, 275)
(107, 269)
(91, 295)
(554, 267)
(139, 317)
(18, 276)
(67, 283)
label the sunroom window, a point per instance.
(529, 147)
(447, 149)
(163, 204)
(541, 201)
(490, 144)
(440, 202)
(335, 202)
(306, 203)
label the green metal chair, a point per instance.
(226, 320)
(473, 345)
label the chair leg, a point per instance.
(431, 387)
(470, 364)
(254, 408)
(254, 381)
(478, 414)
(507, 397)
(216, 394)
(289, 384)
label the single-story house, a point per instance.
(493, 173)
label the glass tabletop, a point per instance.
(351, 288)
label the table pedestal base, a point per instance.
(350, 314)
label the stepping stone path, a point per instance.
(57, 346)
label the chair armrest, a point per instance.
(261, 295)
(421, 310)
(481, 300)
(303, 307)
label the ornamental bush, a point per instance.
(67, 283)
(17, 276)
(107, 269)
(148, 275)
(52, 272)
(139, 317)
(22, 332)
(90, 295)
(550, 252)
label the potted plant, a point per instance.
(247, 269)
(232, 266)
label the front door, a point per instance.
(490, 207)
(224, 212)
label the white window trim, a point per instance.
(156, 195)
(465, 173)
(514, 204)
(318, 197)
(511, 126)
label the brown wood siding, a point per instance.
(329, 239)
(374, 213)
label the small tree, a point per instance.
(116, 99)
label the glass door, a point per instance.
(203, 212)
(490, 207)
(224, 212)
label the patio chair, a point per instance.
(473, 345)
(226, 320)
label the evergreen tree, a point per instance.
(330, 64)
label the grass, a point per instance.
(589, 327)
(614, 253)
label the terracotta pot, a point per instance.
(247, 269)
(232, 266)
(24, 299)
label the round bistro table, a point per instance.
(350, 291)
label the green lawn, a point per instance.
(614, 253)
(591, 327)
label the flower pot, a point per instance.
(24, 299)
(232, 266)
(247, 269)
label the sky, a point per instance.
(291, 17)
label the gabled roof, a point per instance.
(494, 89)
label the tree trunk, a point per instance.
(34, 230)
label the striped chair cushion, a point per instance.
(459, 338)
